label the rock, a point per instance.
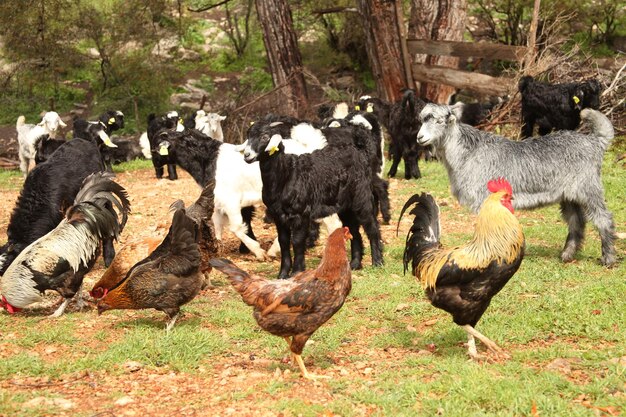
(165, 47)
(133, 366)
(344, 83)
(124, 401)
(402, 306)
(40, 402)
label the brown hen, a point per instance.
(296, 307)
(149, 249)
(165, 282)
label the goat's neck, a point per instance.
(451, 150)
(277, 169)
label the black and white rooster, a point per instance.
(60, 259)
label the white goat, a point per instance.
(28, 134)
(210, 124)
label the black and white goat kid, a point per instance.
(60, 259)
(563, 167)
(297, 189)
(160, 149)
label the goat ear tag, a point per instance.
(334, 124)
(272, 146)
(357, 108)
(576, 99)
(111, 120)
(370, 108)
(163, 151)
(110, 144)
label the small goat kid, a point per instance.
(210, 124)
(562, 167)
(28, 135)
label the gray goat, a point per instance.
(561, 167)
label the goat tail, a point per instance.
(600, 125)
(524, 82)
(21, 121)
(408, 100)
(424, 232)
(96, 202)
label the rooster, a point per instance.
(60, 259)
(163, 282)
(462, 280)
(296, 307)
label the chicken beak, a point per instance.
(102, 307)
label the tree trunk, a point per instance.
(284, 58)
(437, 20)
(383, 44)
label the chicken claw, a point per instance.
(306, 374)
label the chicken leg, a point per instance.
(59, 311)
(298, 360)
(170, 323)
(306, 373)
(491, 345)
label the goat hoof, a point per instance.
(609, 260)
(567, 257)
(356, 265)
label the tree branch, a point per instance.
(335, 10)
(209, 7)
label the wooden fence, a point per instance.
(474, 81)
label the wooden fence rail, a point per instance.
(474, 81)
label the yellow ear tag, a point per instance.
(357, 108)
(111, 120)
(251, 123)
(576, 99)
(273, 150)
(370, 108)
(163, 151)
(109, 143)
(180, 121)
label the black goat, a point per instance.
(555, 106)
(297, 189)
(402, 122)
(97, 133)
(370, 141)
(161, 154)
(49, 189)
(45, 146)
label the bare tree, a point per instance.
(437, 20)
(383, 43)
(283, 54)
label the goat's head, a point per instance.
(259, 148)
(97, 133)
(114, 120)
(164, 140)
(436, 119)
(577, 98)
(51, 122)
(215, 121)
(591, 89)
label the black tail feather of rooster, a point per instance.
(424, 231)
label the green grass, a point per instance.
(548, 311)
(11, 179)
